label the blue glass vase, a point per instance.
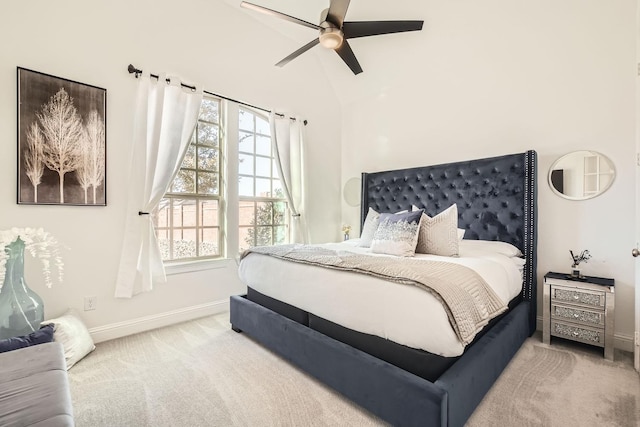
(21, 309)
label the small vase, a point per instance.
(21, 309)
(346, 236)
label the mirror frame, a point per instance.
(591, 196)
(351, 191)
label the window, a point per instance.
(188, 219)
(191, 218)
(261, 201)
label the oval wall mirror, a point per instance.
(581, 175)
(351, 192)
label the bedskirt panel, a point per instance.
(287, 310)
(419, 362)
(471, 377)
(391, 393)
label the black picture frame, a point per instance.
(62, 141)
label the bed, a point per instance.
(496, 200)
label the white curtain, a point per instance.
(166, 115)
(288, 150)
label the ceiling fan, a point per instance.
(334, 30)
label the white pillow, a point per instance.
(503, 248)
(461, 231)
(439, 235)
(73, 335)
(397, 234)
(369, 228)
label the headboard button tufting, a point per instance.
(489, 194)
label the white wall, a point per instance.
(499, 77)
(211, 42)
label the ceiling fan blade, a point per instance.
(349, 57)
(337, 11)
(277, 14)
(352, 30)
(298, 52)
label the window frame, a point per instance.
(229, 199)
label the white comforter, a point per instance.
(404, 314)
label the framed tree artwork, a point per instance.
(61, 141)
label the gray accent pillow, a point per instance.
(439, 235)
(397, 234)
(369, 228)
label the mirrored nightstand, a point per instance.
(579, 309)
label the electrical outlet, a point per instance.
(90, 303)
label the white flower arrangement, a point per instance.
(40, 244)
(577, 259)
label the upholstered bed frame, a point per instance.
(496, 199)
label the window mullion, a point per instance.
(232, 208)
(199, 228)
(171, 207)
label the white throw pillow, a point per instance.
(369, 228)
(439, 235)
(73, 335)
(397, 234)
(504, 248)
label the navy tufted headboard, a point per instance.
(496, 200)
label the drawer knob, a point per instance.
(576, 315)
(576, 296)
(576, 333)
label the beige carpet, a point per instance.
(565, 384)
(201, 373)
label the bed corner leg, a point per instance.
(238, 330)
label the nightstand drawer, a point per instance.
(583, 297)
(577, 315)
(585, 334)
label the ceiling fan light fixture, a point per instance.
(331, 38)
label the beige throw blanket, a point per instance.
(469, 301)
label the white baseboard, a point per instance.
(621, 341)
(141, 324)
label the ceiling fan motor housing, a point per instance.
(331, 36)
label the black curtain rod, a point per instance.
(137, 72)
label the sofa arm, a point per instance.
(34, 387)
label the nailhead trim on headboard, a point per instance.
(529, 290)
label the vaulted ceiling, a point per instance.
(382, 58)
